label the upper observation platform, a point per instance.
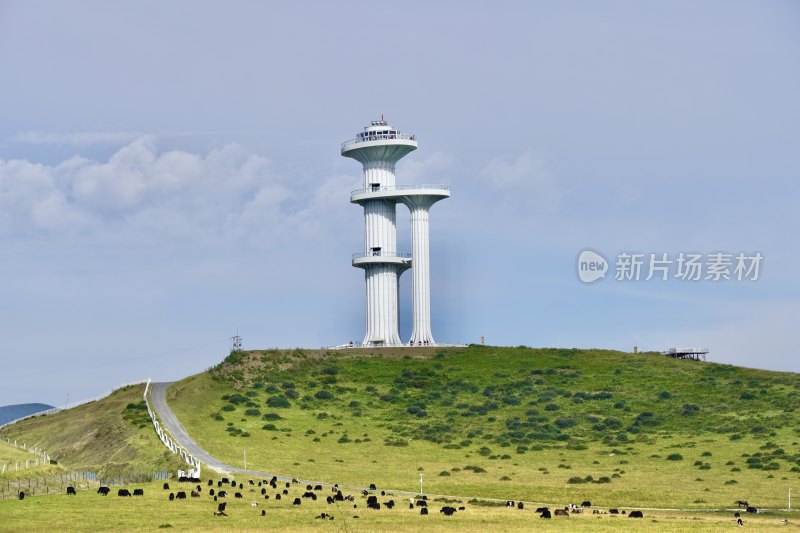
(379, 142)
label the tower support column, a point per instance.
(382, 305)
(419, 207)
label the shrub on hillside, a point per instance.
(234, 358)
(564, 423)
(279, 401)
(690, 409)
(414, 408)
(292, 394)
(674, 457)
(323, 394)
(237, 399)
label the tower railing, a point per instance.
(399, 188)
(380, 137)
(401, 255)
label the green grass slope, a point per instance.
(112, 436)
(542, 425)
(16, 463)
(88, 511)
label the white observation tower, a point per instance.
(378, 148)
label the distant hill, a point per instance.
(12, 412)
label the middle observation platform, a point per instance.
(400, 193)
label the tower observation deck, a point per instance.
(378, 148)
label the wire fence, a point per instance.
(58, 483)
(42, 458)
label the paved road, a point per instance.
(158, 402)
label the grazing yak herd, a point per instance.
(270, 489)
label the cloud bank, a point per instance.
(143, 192)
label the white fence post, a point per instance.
(173, 446)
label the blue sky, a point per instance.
(170, 172)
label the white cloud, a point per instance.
(141, 195)
(524, 181)
(141, 190)
(54, 213)
(435, 168)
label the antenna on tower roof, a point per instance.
(381, 117)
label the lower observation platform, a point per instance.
(381, 258)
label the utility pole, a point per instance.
(420, 483)
(790, 500)
(236, 342)
(245, 459)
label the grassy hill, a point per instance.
(112, 436)
(543, 425)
